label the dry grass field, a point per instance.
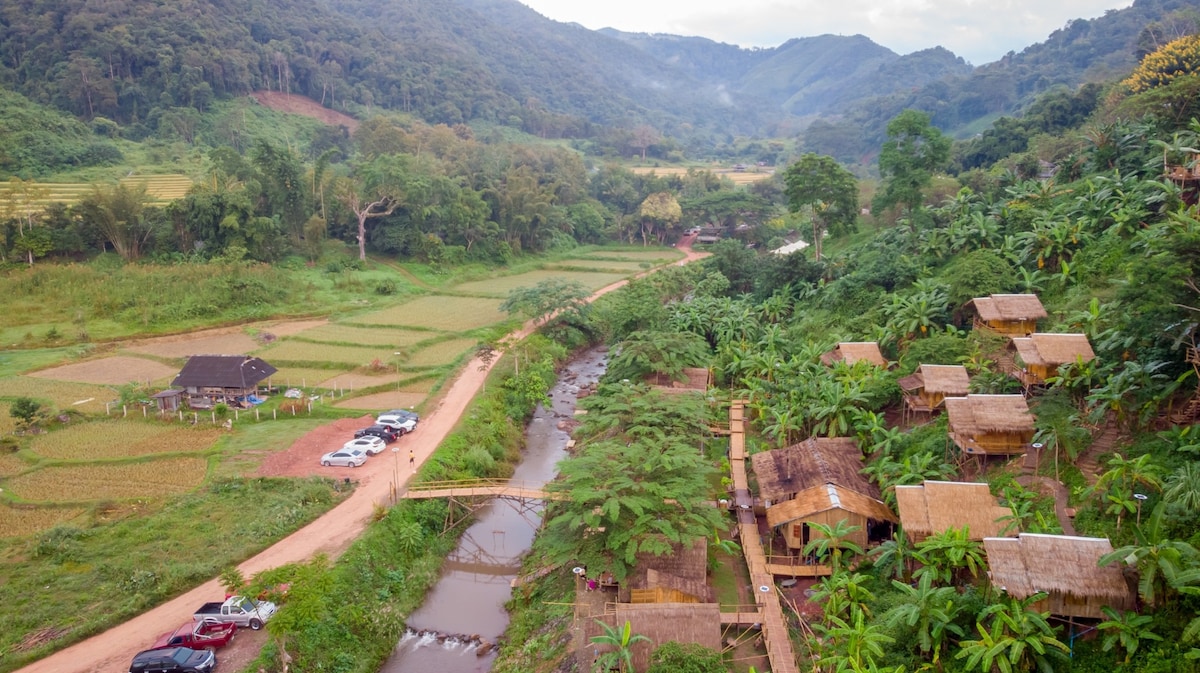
(235, 343)
(120, 481)
(751, 174)
(450, 314)
(121, 439)
(17, 521)
(301, 377)
(10, 464)
(392, 399)
(82, 397)
(501, 286)
(305, 351)
(115, 371)
(440, 353)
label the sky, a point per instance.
(981, 31)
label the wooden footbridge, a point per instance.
(467, 496)
(770, 612)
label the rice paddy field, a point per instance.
(646, 255)
(450, 314)
(611, 266)
(162, 189)
(81, 397)
(363, 336)
(440, 353)
(117, 481)
(290, 351)
(500, 287)
(21, 521)
(115, 438)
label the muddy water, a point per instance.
(468, 601)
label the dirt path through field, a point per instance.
(111, 651)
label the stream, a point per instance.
(467, 603)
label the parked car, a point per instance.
(402, 413)
(383, 432)
(174, 660)
(402, 426)
(370, 445)
(344, 458)
(240, 610)
(206, 635)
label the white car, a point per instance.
(344, 458)
(401, 425)
(368, 444)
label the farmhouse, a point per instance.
(1040, 355)
(818, 481)
(212, 379)
(990, 424)
(937, 506)
(1008, 314)
(927, 388)
(1063, 566)
(853, 351)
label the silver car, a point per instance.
(344, 458)
(369, 444)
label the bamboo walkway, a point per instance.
(774, 626)
(479, 488)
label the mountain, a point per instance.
(453, 61)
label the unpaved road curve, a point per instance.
(111, 651)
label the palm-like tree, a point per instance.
(1182, 488)
(857, 644)
(1127, 629)
(1017, 638)
(621, 640)
(1122, 478)
(947, 553)
(895, 556)
(1163, 564)
(929, 612)
(832, 544)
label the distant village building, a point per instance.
(1065, 567)
(937, 506)
(990, 424)
(208, 380)
(1008, 314)
(791, 247)
(695, 379)
(853, 351)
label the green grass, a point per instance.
(79, 581)
(443, 352)
(501, 286)
(288, 351)
(83, 397)
(612, 266)
(452, 314)
(19, 362)
(637, 254)
(350, 335)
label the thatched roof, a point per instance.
(936, 506)
(665, 622)
(938, 379)
(853, 351)
(695, 378)
(824, 498)
(656, 579)
(222, 371)
(1056, 564)
(1052, 350)
(816, 461)
(987, 414)
(1008, 307)
(688, 563)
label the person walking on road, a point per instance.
(412, 459)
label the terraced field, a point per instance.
(161, 189)
(500, 287)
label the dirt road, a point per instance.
(111, 651)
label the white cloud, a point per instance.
(978, 30)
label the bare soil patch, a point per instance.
(393, 399)
(302, 105)
(219, 341)
(303, 457)
(115, 371)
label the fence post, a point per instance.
(124, 411)
(235, 414)
(256, 418)
(274, 414)
(181, 415)
(143, 412)
(214, 417)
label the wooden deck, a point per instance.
(774, 626)
(742, 618)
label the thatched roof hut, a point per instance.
(1042, 354)
(927, 388)
(695, 379)
(678, 577)
(783, 473)
(853, 351)
(990, 424)
(827, 504)
(1065, 567)
(663, 623)
(937, 506)
(1012, 314)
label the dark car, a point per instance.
(383, 432)
(174, 660)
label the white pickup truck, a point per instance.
(238, 610)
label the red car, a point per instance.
(205, 635)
